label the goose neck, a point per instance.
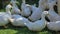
(13, 4)
(41, 6)
(51, 8)
(43, 17)
(23, 1)
(8, 11)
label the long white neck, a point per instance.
(51, 8)
(8, 12)
(8, 9)
(52, 12)
(41, 5)
(43, 17)
(23, 1)
(14, 5)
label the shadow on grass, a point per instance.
(23, 30)
(20, 30)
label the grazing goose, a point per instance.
(35, 16)
(25, 9)
(15, 9)
(37, 25)
(53, 15)
(4, 16)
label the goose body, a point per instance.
(35, 16)
(25, 9)
(53, 15)
(37, 25)
(18, 20)
(4, 16)
(36, 12)
(55, 25)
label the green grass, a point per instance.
(22, 30)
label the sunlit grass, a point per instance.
(8, 31)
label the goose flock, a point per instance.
(31, 16)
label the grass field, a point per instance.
(22, 30)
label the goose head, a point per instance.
(13, 2)
(28, 6)
(8, 8)
(45, 13)
(15, 9)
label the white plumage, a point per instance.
(15, 9)
(55, 25)
(25, 9)
(4, 16)
(37, 25)
(36, 12)
(18, 20)
(53, 15)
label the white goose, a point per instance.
(36, 12)
(37, 25)
(15, 9)
(25, 9)
(4, 16)
(18, 20)
(55, 25)
(53, 15)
